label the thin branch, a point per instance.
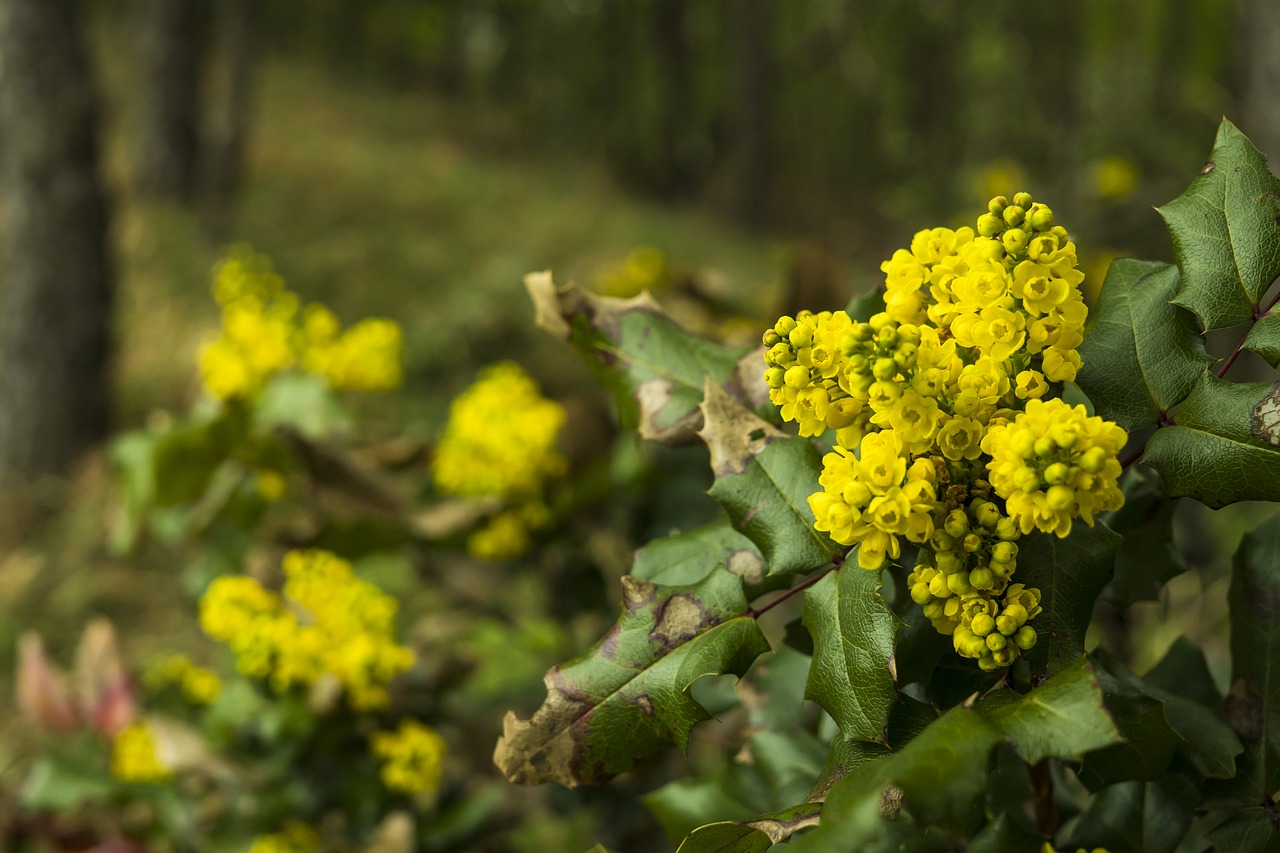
(756, 613)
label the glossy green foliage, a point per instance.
(1142, 353)
(853, 636)
(655, 369)
(1210, 452)
(628, 697)
(1225, 232)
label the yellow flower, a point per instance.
(413, 757)
(1054, 463)
(133, 756)
(329, 623)
(296, 837)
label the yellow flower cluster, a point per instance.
(1054, 463)
(133, 756)
(412, 756)
(932, 402)
(501, 441)
(198, 685)
(265, 331)
(327, 623)
(296, 837)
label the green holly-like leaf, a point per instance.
(1253, 706)
(1225, 233)
(655, 369)
(1070, 573)
(1253, 830)
(853, 635)
(1264, 338)
(1157, 723)
(1065, 717)
(628, 697)
(763, 480)
(939, 778)
(689, 557)
(1142, 354)
(1138, 817)
(1210, 452)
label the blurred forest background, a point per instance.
(414, 158)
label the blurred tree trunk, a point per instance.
(173, 34)
(1260, 25)
(224, 167)
(54, 325)
(675, 178)
(749, 22)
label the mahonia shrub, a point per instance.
(925, 494)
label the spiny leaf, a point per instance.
(689, 557)
(1225, 232)
(1156, 724)
(1064, 717)
(1142, 354)
(1210, 454)
(628, 697)
(1254, 703)
(1252, 830)
(763, 480)
(655, 369)
(1138, 817)
(939, 777)
(853, 634)
(1070, 573)
(1264, 338)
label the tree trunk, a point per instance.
(55, 323)
(748, 20)
(173, 40)
(1260, 118)
(224, 166)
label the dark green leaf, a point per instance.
(1147, 558)
(1142, 354)
(1064, 717)
(918, 647)
(1254, 830)
(864, 306)
(853, 633)
(1070, 573)
(789, 762)
(689, 557)
(1184, 672)
(1003, 835)
(763, 480)
(939, 778)
(1138, 817)
(1210, 454)
(1224, 232)
(908, 718)
(1264, 338)
(655, 369)
(844, 757)
(628, 697)
(1253, 707)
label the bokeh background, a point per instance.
(415, 158)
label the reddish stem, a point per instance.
(756, 613)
